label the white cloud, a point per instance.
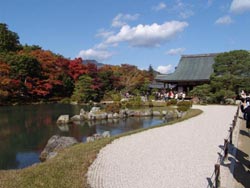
(121, 19)
(160, 6)
(104, 33)
(225, 20)
(99, 55)
(147, 35)
(240, 6)
(176, 51)
(164, 69)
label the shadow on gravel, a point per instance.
(241, 163)
(241, 168)
(244, 133)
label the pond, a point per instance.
(25, 130)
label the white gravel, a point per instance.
(178, 156)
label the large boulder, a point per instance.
(156, 113)
(76, 118)
(63, 119)
(95, 109)
(54, 144)
(63, 127)
(83, 114)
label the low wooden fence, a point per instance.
(215, 178)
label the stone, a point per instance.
(63, 127)
(179, 114)
(95, 109)
(110, 115)
(54, 144)
(115, 115)
(97, 136)
(164, 112)
(63, 119)
(90, 139)
(83, 114)
(106, 134)
(156, 113)
(76, 118)
(170, 114)
(148, 113)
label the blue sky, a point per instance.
(138, 32)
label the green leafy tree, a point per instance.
(231, 71)
(202, 92)
(24, 66)
(151, 72)
(9, 41)
(84, 90)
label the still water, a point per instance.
(25, 130)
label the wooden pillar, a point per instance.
(217, 175)
(225, 148)
(231, 135)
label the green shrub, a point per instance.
(113, 107)
(229, 101)
(184, 105)
(136, 101)
(171, 102)
(65, 101)
(132, 102)
(151, 97)
(112, 96)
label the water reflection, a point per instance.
(25, 159)
(25, 130)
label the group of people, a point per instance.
(245, 108)
(169, 95)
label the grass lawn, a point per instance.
(69, 167)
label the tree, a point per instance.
(4, 81)
(84, 91)
(151, 72)
(231, 71)
(76, 68)
(23, 66)
(202, 92)
(132, 78)
(9, 41)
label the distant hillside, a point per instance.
(94, 62)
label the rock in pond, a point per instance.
(56, 143)
(63, 119)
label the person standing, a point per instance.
(247, 116)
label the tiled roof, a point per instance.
(191, 68)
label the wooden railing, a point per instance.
(215, 178)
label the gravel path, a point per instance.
(178, 156)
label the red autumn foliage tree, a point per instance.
(76, 68)
(4, 81)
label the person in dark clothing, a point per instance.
(247, 117)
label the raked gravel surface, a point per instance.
(177, 156)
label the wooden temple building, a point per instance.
(191, 71)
